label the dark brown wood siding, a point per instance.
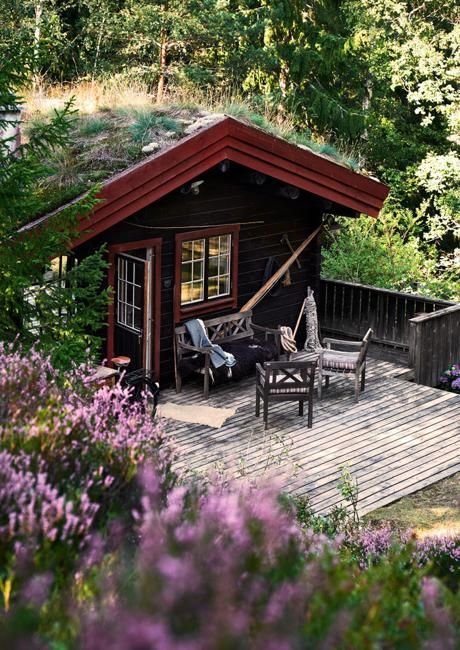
(226, 198)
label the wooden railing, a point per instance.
(434, 344)
(349, 309)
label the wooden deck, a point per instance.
(400, 438)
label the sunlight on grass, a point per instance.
(134, 98)
(432, 511)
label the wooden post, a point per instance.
(279, 273)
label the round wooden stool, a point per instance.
(120, 363)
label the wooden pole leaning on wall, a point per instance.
(257, 297)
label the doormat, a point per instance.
(197, 414)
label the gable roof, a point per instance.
(228, 138)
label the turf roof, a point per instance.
(111, 140)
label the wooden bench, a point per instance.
(221, 330)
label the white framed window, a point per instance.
(130, 293)
(205, 268)
(219, 266)
(206, 271)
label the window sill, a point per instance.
(184, 313)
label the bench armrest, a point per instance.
(260, 369)
(268, 330)
(352, 344)
(191, 348)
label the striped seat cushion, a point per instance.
(286, 386)
(286, 390)
(347, 361)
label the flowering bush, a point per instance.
(69, 454)
(99, 549)
(450, 378)
(232, 569)
(440, 553)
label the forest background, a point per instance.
(375, 79)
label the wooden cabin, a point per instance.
(197, 228)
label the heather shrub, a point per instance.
(100, 548)
(450, 378)
(69, 455)
(232, 568)
(439, 554)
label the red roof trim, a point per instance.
(150, 180)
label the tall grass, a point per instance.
(135, 98)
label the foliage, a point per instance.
(68, 460)
(30, 303)
(371, 545)
(450, 378)
(68, 312)
(89, 557)
(147, 123)
(376, 79)
(374, 253)
(230, 568)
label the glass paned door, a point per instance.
(131, 309)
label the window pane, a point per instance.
(186, 293)
(213, 266)
(205, 258)
(224, 285)
(225, 243)
(138, 296)
(198, 249)
(138, 319)
(198, 270)
(223, 265)
(186, 272)
(129, 270)
(187, 247)
(129, 315)
(197, 291)
(214, 246)
(213, 287)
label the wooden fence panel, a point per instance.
(349, 309)
(434, 344)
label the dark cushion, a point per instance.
(247, 353)
(189, 365)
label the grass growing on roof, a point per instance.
(116, 121)
(147, 124)
(93, 125)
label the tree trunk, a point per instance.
(37, 37)
(163, 64)
(98, 45)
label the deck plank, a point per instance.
(399, 438)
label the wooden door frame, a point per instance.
(114, 250)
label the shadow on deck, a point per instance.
(400, 438)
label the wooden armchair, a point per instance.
(282, 381)
(333, 360)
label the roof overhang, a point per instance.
(229, 139)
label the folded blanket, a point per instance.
(200, 339)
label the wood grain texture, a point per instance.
(229, 139)
(398, 439)
(349, 309)
(262, 217)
